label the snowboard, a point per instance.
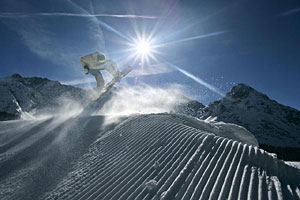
(111, 83)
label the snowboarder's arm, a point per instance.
(112, 68)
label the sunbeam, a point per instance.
(204, 19)
(16, 15)
(101, 23)
(143, 48)
(197, 79)
(191, 38)
(289, 12)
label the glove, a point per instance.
(86, 69)
(118, 77)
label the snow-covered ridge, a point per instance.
(20, 94)
(163, 157)
(272, 123)
(43, 97)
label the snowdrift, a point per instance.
(153, 156)
(166, 156)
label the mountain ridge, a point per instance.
(21, 95)
(276, 126)
(139, 156)
(259, 114)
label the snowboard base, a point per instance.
(110, 84)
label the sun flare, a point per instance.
(143, 48)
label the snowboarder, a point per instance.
(95, 62)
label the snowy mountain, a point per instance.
(135, 156)
(189, 107)
(274, 125)
(157, 156)
(20, 95)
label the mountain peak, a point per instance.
(240, 91)
(32, 81)
(273, 124)
(243, 91)
(37, 80)
(16, 76)
(242, 86)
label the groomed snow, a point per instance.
(293, 164)
(228, 130)
(154, 156)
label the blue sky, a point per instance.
(205, 46)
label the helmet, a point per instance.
(91, 61)
(101, 58)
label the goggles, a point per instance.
(86, 69)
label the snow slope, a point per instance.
(159, 156)
(169, 157)
(36, 154)
(272, 124)
(162, 156)
(294, 164)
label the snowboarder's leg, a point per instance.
(99, 79)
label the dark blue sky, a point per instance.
(216, 43)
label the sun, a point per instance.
(143, 48)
